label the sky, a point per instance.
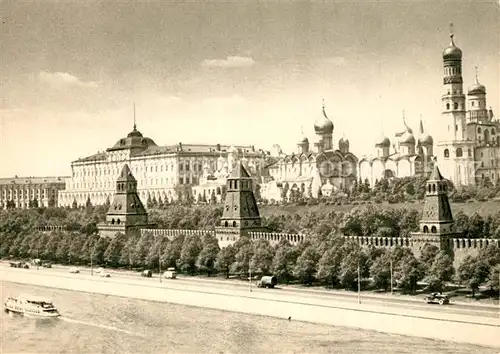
(226, 72)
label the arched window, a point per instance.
(433, 229)
(446, 153)
(447, 106)
(479, 130)
(493, 131)
(118, 221)
(426, 229)
(429, 188)
(234, 223)
(459, 152)
(112, 221)
(226, 224)
(433, 187)
(469, 152)
(455, 105)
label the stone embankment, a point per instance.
(420, 323)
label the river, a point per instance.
(93, 323)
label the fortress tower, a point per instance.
(126, 213)
(436, 225)
(240, 214)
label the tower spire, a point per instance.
(135, 126)
(421, 125)
(452, 28)
(477, 80)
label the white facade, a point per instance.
(159, 170)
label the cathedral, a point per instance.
(469, 148)
(409, 156)
(309, 172)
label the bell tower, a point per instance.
(452, 148)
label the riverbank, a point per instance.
(450, 327)
(95, 323)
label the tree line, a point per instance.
(325, 257)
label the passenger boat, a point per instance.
(28, 305)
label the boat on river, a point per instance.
(32, 306)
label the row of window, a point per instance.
(183, 166)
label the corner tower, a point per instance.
(240, 214)
(126, 212)
(437, 225)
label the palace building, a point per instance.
(469, 149)
(159, 170)
(309, 171)
(22, 192)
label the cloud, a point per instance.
(230, 62)
(59, 79)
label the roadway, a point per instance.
(387, 303)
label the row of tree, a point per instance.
(322, 258)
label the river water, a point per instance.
(93, 323)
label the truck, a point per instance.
(170, 273)
(267, 282)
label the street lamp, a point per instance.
(92, 250)
(159, 258)
(391, 278)
(250, 271)
(359, 284)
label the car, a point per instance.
(441, 299)
(105, 275)
(47, 265)
(99, 270)
(147, 273)
(74, 270)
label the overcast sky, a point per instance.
(219, 72)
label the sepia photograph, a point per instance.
(223, 176)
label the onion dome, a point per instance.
(477, 88)
(383, 141)
(407, 138)
(452, 52)
(426, 139)
(323, 125)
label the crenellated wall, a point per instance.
(385, 242)
(226, 238)
(275, 237)
(172, 233)
(462, 247)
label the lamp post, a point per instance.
(359, 284)
(391, 278)
(159, 258)
(92, 250)
(250, 275)
(37, 257)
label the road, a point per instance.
(219, 286)
(418, 322)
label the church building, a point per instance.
(311, 171)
